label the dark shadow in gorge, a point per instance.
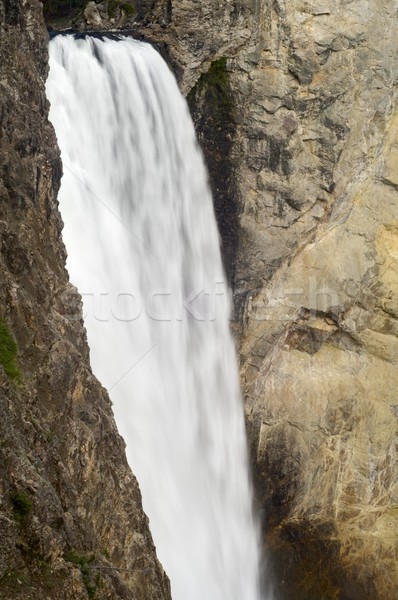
(211, 103)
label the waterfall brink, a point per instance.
(143, 251)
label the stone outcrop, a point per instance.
(71, 519)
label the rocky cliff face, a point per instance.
(318, 258)
(304, 182)
(295, 106)
(71, 520)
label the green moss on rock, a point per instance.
(124, 5)
(212, 105)
(22, 505)
(8, 352)
(84, 562)
(216, 86)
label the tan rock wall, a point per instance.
(320, 372)
(313, 157)
(318, 92)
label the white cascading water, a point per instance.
(143, 250)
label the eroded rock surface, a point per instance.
(304, 183)
(319, 242)
(71, 519)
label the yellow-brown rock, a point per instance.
(320, 372)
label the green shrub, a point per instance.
(22, 504)
(215, 85)
(129, 9)
(84, 562)
(126, 6)
(8, 352)
(112, 6)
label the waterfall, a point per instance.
(143, 251)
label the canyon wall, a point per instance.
(71, 519)
(298, 121)
(295, 108)
(317, 267)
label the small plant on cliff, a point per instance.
(113, 5)
(84, 563)
(22, 505)
(217, 75)
(8, 352)
(215, 85)
(129, 9)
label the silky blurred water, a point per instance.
(143, 250)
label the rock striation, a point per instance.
(317, 257)
(71, 520)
